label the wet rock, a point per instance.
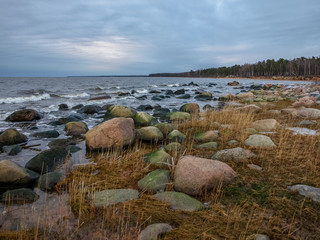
(117, 111)
(60, 143)
(192, 108)
(180, 201)
(12, 136)
(19, 196)
(76, 128)
(78, 106)
(46, 134)
(12, 175)
(234, 83)
(100, 97)
(154, 91)
(176, 136)
(307, 191)
(208, 145)
(265, 125)
(169, 92)
(153, 231)
(180, 92)
(115, 133)
(155, 181)
(233, 154)
(47, 161)
(25, 115)
(208, 107)
(261, 141)
(122, 94)
(143, 97)
(173, 147)
(63, 106)
(208, 136)
(161, 113)
(90, 109)
(151, 134)
(73, 149)
(144, 107)
(47, 181)
(12, 150)
(112, 196)
(158, 158)
(178, 116)
(144, 119)
(204, 96)
(194, 175)
(157, 98)
(165, 128)
(184, 96)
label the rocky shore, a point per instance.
(180, 159)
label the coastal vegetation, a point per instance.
(299, 69)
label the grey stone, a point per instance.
(112, 196)
(233, 154)
(155, 181)
(307, 191)
(12, 149)
(257, 140)
(19, 196)
(154, 230)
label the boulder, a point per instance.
(233, 154)
(176, 136)
(90, 109)
(180, 201)
(265, 125)
(155, 181)
(76, 128)
(25, 115)
(47, 161)
(150, 134)
(46, 134)
(12, 136)
(112, 196)
(144, 119)
(307, 191)
(165, 128)
(12, 150)
(116, 111)
(153, 231)
(19, 196)
(258, 140)
(158, 158)
(178, 116)
(208, 136)
(192, 108)
(12, 175)
(208, 145)
(47, 181)
(115, 133)
(194, 175)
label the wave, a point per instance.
(142, 91)
(75, 95)
(173, 85)
(32, 98)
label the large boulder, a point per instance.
(19, 196)
(12, 136)
(151, 134)
(208, 136)
(115, 133)
(155, 181)
(24, 116)
(76, 128)
(112, 196)
(144, 119)
(153, 231)
(48, 160)
(258, 140)
(194, 175)
(265, 125)
(180, 201)
(192, 108)
(13, 175)
(116, 111)
(233, 154)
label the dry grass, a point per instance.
(258, 202)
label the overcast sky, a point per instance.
(105, 37)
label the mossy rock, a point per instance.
(150, 134)
(120, 111)
(180, 201)
(155, 181)
(208, 136)
(173, 147)
(46, 134)
(112, 196)
(144, 119)
(165, 128)
(208, 145)
(178, 116)
(158, 158)
(176, 136)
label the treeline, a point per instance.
(306, 67)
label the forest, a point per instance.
(306, 67)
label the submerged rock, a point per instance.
(12, 150)
(204, 96)
(115, 133)
(258, 140)
(90, 109)
(194, 175)
(46, 134)
(12, 136)
(112, 196)
(154, 230)
(155, 181)
(25, 115)
(180, 201)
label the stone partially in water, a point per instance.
(12, 150)
(46, 134)
(12, 136)
(24, 116)
(76, 128)
(192, 108)
(117, 111)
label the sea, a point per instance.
(45, 94)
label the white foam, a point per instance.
(142, 91)
(173, 85)
(32, 98)
(75, 95)
(51, 108)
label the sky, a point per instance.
(120, 37)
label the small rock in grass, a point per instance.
(254, 167)
(153, 231)
(158, 158)
(307, 191)
(155, 181)
(233, 154)
(261, 141)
